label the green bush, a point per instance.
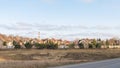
(98, 45)
(16, 45)
(90, 46)
(4, 43)
(28, 45)
(71, 45)
(81, 45)
(40, 46)
(51, 45)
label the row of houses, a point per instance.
(109, 43)
(22, 40)
(111, 46)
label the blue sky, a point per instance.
(66, 19)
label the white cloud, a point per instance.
(60, 31)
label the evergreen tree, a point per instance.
(28, 45)
(40, 46)
(4, 43)
(81, 45)
(16, 45)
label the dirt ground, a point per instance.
(33, 58)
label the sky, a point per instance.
(62, 19)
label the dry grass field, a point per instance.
(34, 58)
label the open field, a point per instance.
(45, 58)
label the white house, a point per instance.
(63, 46)
(76, 47)
(110, 46)
(114, 46)
(10, 45)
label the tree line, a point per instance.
(29, 45)
(82, 44)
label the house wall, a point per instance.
(111, 46)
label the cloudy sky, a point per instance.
(65, 19)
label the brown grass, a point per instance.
(46, 58)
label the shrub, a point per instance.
(81, 45)
(4, 43)
(28, 45)
(51, 45)
(40, 46)
(71, 45)
(90, 45)
(98, 45)
(16, 45)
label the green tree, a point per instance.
(40, 46)
(51, 45)
(4, 43)
(28, 45)
(90, 45)
(16, 45)
(81, 45)
(94, 42)
(71, 45)
(98, 45)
